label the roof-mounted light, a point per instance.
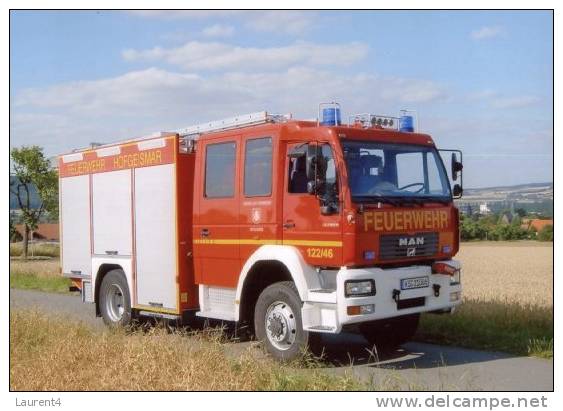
(330, 114)
(367, 120)
(408, 121)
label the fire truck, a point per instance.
(295, 228)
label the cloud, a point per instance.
(196, 55)
(487, 32)
(500, 101)
(288, 22)
(482, 94)
(70, 115)
(218, 30)
(274, 21)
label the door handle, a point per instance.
(204, 232)
(288, 225)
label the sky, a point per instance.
(481, 81)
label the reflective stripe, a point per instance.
(245, 241)
(314, 243)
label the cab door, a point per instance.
(216, 228)
(318, 235)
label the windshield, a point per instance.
(377, 170)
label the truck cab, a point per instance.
(360, 221)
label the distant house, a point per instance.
(535, 223)
(44, 232)
(484, 209)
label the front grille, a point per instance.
(392, 247)
(411, 303)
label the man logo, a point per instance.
(408, 241)
(411, 252)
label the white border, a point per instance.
(258, 401)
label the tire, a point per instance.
(389, 334)
(115, 300)
(278, 324)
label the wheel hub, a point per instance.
(115, 302)
(281, 327)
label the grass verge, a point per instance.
(38, 275)
(36, 249)
(32, 281)
(499, 326)
(55, 354)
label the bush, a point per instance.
(492, 228)
(508, 232)
(473, 230)
(546, 233)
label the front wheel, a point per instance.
(390, 333)
(115, 300)
(278, 323)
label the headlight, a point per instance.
(359, 288)
(456, 278)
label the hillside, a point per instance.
(522, 193)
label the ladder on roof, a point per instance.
(245, 120)
(189, 135)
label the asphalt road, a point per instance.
(414, 366)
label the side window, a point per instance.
(434, 179)
(220, 170)
(258, 167)
(329, 169)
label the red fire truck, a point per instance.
(295, 228)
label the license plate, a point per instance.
(416, 282)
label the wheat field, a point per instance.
(513, 272)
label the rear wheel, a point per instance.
(390, 333)
(115, 300)
(277, 321)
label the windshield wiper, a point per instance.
(373, 199)
(400, 200)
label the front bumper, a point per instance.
(328, 312)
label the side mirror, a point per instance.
(457, 191)
(311, 187)
(456, 167)
(327, 210)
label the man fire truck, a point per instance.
(296, 228)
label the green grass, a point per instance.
(33, 281)
(499, 326)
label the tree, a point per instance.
(521, 212)
(14, 235)
(32, 168)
